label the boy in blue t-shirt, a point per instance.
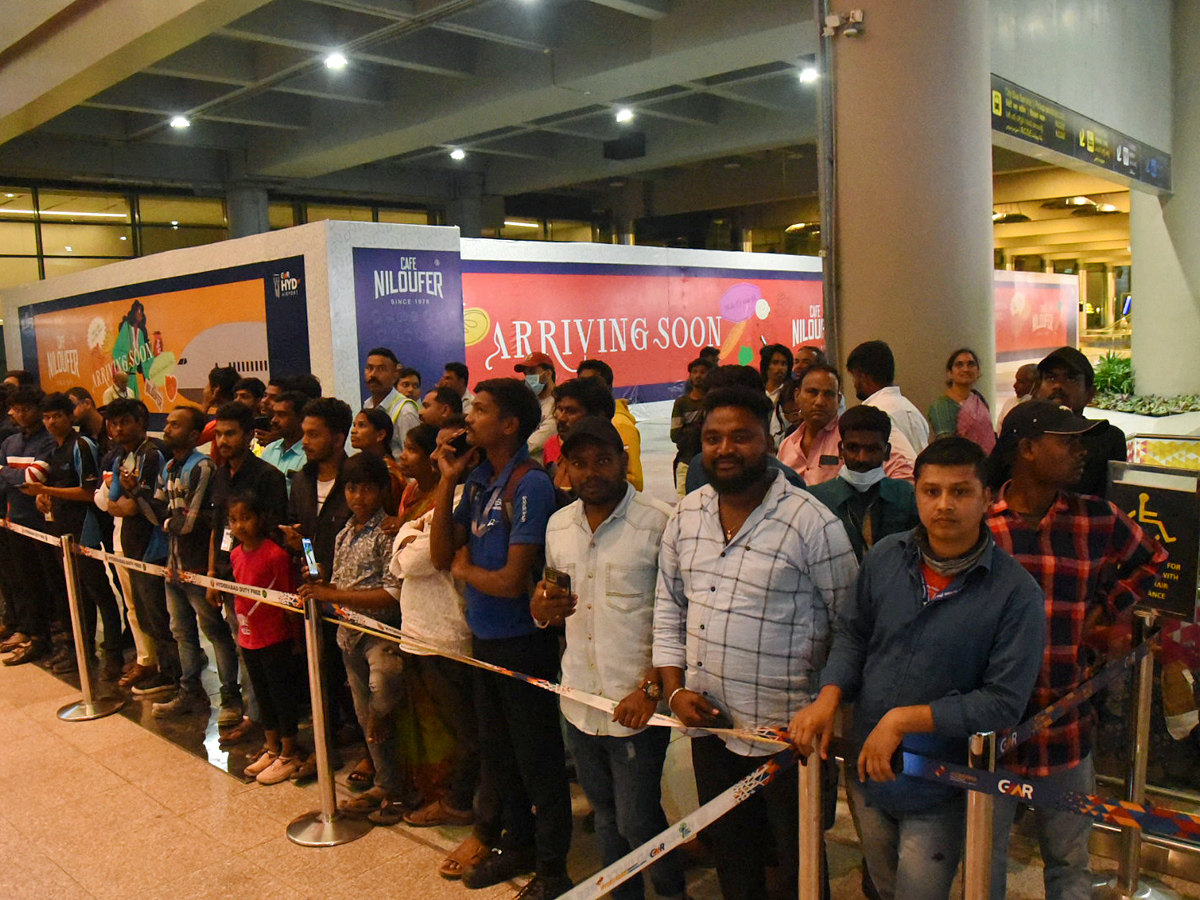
(493, 541)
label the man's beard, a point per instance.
(734, 484)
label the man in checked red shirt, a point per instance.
(1092, 563)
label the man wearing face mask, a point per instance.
(538, 369)
(870, 504)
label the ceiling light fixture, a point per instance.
(511, 223)
(68, 249)
(808, 75)
(179, 122)
(123, 238)
(624, 114)
(336, 61)
(65, 214)
(458, 153)
(10, 196)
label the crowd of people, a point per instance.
(818, 557)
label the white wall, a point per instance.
(1107, 59)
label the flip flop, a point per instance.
(470, 852)
(360, 778)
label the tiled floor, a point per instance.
(113, 811)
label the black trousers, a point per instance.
(33, 587)
(522, 746)
(274, 673)
(761, 832)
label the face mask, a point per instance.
(861, 481)
(534, 381)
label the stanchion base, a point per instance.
(315, 829)
(1146, 890)
(82, 711)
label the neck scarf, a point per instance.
(957, 565)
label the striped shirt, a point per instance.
(751, 622)
(1085, 553)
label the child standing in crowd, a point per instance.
(267, 637)
(416, 465)
(363, 581)
(371, 433)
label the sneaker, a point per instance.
(281, 769)
(500, 865)
(26, 653)
(545, 887)
(230, 715)
(64, 664)
(157, 683)
(262, 763)
(181, 704)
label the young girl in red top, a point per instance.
(267, 635)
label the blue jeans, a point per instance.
(375, 670)
(622, 778)
(188, 608)
(913, 856)
(1062, 836)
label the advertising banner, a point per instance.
(411, 302)
(646, 321)
(1036, 312)
(168, 334)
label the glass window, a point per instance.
(63, 266)
(17, 271)
(404, 216)
(156, 239)
(83, 206)
(86, 240)
(16, 203)
(281, 215)
(18, 238)
(568, 230)
(181, 211)
(319, 213)
(522, 230)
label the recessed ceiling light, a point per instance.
(808, 75)
(180, 122)
(458, 153)
(10, 196)
(624, 114)
(68, 249)
(174, 221)
(335, 61)
(123, 238)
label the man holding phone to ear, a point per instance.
(601, 567)
(752, 572)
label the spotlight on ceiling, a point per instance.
(335, 61)
(624, 114)
(458, 153)
(808, 75)
(180, 122)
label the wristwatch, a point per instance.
(652, 690)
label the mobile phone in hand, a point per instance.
(558, 578)
(310, 557)
(460, 445)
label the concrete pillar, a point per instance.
(914, 188)
(466, 209)
(246, 209)
(1165, 238)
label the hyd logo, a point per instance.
(1016, 788)
(285, 284)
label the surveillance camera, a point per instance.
(852, 31)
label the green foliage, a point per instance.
(1114, 375)
(1148, 405)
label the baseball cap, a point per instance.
(532, 360)
(1071, 359)
(596, 428)
(1034, 418)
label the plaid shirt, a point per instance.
(1085, 553)
(751, 622)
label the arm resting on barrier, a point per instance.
(875, 760)
(373, 600)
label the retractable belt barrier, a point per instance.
(1126, 814)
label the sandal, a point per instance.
(365, 803)
(363, 775)
(466, 855)
(390, 812)
(438, 813)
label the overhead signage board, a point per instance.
(1032, 118)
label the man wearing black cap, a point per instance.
(538, 369)
(1066, 378)
(607, 542)
(1092, 563)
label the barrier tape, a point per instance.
(1124, 813)
(1056, 710)
(32, 534)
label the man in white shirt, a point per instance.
(873, 368)
(457, 376)
(607, 543)
(1023, 384)
(381, 372)
(538, 369)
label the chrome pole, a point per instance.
(325, 827)
(977, 870)
(811, 831)
(90, 707)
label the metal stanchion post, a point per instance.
(91, 706)
(811, 830)
(1127, 883)
(977, 870)
(325, 827)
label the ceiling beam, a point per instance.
(646, 9)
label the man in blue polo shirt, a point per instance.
(493, 541)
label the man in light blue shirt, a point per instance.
(287, 453)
